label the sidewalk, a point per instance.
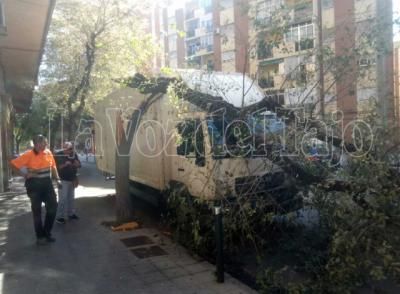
(90, 258)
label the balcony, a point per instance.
(302, 12)
(305, 44)
(264, 50)
(228, 43)
(266, 82)
(190, 33)
(198, 13)
(200, 32)
(189, 14)
(278, 81)
(283, 50)
(227, 17)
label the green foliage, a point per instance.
(90, 45)
(365, 221)
(247, 222)
(191, 220)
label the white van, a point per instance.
(185, 145)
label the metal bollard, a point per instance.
(219, 237)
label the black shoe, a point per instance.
(61, 221)
(74, 216)
(50, 239)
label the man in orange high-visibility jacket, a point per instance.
(38, 166)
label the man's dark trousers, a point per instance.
(41, 190)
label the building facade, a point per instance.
(396, 58)
(333, 55)
(23, 30)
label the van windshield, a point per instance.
(229, 138)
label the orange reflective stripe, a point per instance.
(32, 161)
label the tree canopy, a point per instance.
(91, 44)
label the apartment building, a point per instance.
(277, 42)
(396, 58)
(354, 70)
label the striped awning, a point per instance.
(272, 61)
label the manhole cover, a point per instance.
(149, 252)
(137, 241)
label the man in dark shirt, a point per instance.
(67, 165)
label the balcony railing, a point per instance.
(190, 33)
(266, 82)
(304, 45)
(189, 14)
(303, 12)
(200, 50)
(264, 51)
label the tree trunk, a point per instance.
(124, 208)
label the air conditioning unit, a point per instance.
(216, 31)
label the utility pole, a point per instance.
(320, 57)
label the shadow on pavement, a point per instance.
(85, 258)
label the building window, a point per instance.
(266, 82)
(326, 4)
(304, 45)
(207, 41)
(227, 56)
(208, 25)
(265, 9)
(264, 50)
(172, 43)
(207, 5)
(225, 4)
(210, 65)
(192, 48)
(302, 35)
(299, 75)
(366, 62)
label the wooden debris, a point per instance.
(125, 227)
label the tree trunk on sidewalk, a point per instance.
(124, 208)
(123, 201)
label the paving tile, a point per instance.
(152, 278)
(205, 291)
(143, 267)
(164, 288)
(136, 241)
(185, 283)
(147, 252)
(199, 267)
(89, 258)
(135, 282)
(163, 262)
(205, 277)
(175, 272)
